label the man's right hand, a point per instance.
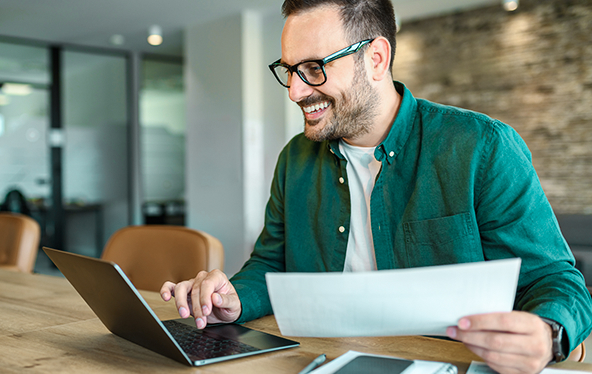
(209, 298)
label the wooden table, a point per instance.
(46, 327)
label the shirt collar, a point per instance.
(399, 132)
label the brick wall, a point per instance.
(532, 69)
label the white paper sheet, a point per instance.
(482, 368)
(416, 301)
(418, 367)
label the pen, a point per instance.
(316, 362)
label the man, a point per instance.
(382, 180)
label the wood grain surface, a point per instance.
(46, 327)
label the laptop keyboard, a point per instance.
(195, 343)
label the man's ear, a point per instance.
(380, 58)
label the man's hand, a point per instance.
(510, 343)
(209, 298)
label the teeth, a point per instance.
(314, 108)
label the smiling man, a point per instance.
(382, 180)
(346, 105)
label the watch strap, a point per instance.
(559, 353)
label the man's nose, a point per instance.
(298, 89)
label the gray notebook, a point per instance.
(121, 308)
(375, 365)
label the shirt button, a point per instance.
(391, 153)
(341, 229)
(341, 180)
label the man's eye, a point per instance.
(315, 70)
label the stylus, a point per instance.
(316, 362)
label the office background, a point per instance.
(188, 132)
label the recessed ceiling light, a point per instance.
(155, 35)
(16, 89)
(510, 5)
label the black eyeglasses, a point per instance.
(312, 72)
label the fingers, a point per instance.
(509, 363)
(517, 332)
(515, 322)
(182, 302)
(229, 301)
(196, 298)
(170, 289)
(502, 342)
(209, 297)
(214, 299)
(510, 343)
(214, 282)
(227, 307)
(167, 290)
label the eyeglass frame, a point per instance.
(354, 48)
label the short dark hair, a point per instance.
(362, 19)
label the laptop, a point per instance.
(121, 308)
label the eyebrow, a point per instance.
(303, 60)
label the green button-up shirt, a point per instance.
(455, 186)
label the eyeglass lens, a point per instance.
(310, 71)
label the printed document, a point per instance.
(482, 368)
(415, 301)
(418, 367)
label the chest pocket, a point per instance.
(440, 241)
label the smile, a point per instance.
(315, 108)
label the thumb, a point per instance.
(227, 307)
(225, 301)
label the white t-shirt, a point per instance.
(362, 169)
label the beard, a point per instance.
(352, 112)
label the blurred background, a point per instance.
(100, 129)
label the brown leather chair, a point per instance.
(19, 242)
(578, 354)
(152, 254)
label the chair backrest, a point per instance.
(578, 354)
(19, 242)
(15, 202)
(152, 254)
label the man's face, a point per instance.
(345, 106)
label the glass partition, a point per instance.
(24, 154)
(24, 63)
(94, 138)
(24, 120)
(95, 160)
(162, 142)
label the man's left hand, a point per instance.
(510, 343)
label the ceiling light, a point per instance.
(510, 5)
(15, 89)
(117, 39)
(155, 35)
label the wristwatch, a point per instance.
(558, 342)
